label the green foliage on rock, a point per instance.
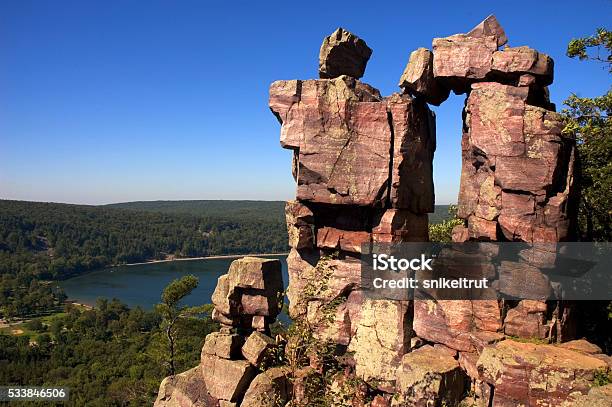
(442, 232)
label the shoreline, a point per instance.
(220, 256)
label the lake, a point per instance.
(142, 285)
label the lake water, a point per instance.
(142, 285)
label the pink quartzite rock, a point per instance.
(461, 59)
(514, 62)
(418, 78)
(458, 324)
(343, 136)
(400, 225)
(223, 345)
(269, 389)
(414, 143)
(496, 119)
(517, 177)
(536, 375)
(382, 333)
(185, 389)
(299, 225)
(599, 396)
(226, 379)
(428, 377)
(343, 53)
(581, 345)
(251, 289)
(350, 241)
(257, 348)
(527, 321)
(312, 277)
(490, 27)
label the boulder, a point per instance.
(271, 388)
(444, 321)
(461, 59)
(428, 377)
(489, 27)
(343, 53)
(459, 324)
(400, 225)
(299, 225)
(418, 78)
(251, 288)
(320, 278)
(343, 137)
(496, 119)
(347, 240)
(382, 333)
(517, 173)
(185, 389)
(582, 346)
(342, 132)
(600, 396)
(511, 63)
(226, 379)
(381, 401)
(481, 229)
(258, 348)
(223, 345)
(521, 280)
(414, 143)
(530, 374)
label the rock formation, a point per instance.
(247, 300)
(363, 168)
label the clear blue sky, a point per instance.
(113, 101)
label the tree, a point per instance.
(171, 312)
(588, 119)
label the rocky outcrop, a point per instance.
(247, 300)
(428, 377)
(364, 174)
(249, 295)
(363, 169)
(186, 389)
(418, 78)
(536, 375)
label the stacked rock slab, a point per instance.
(247, 300)
(517, 184)
(363, 166)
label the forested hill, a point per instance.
(234, 210)
(74, 236)
(269, 211)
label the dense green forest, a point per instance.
(107, 356)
